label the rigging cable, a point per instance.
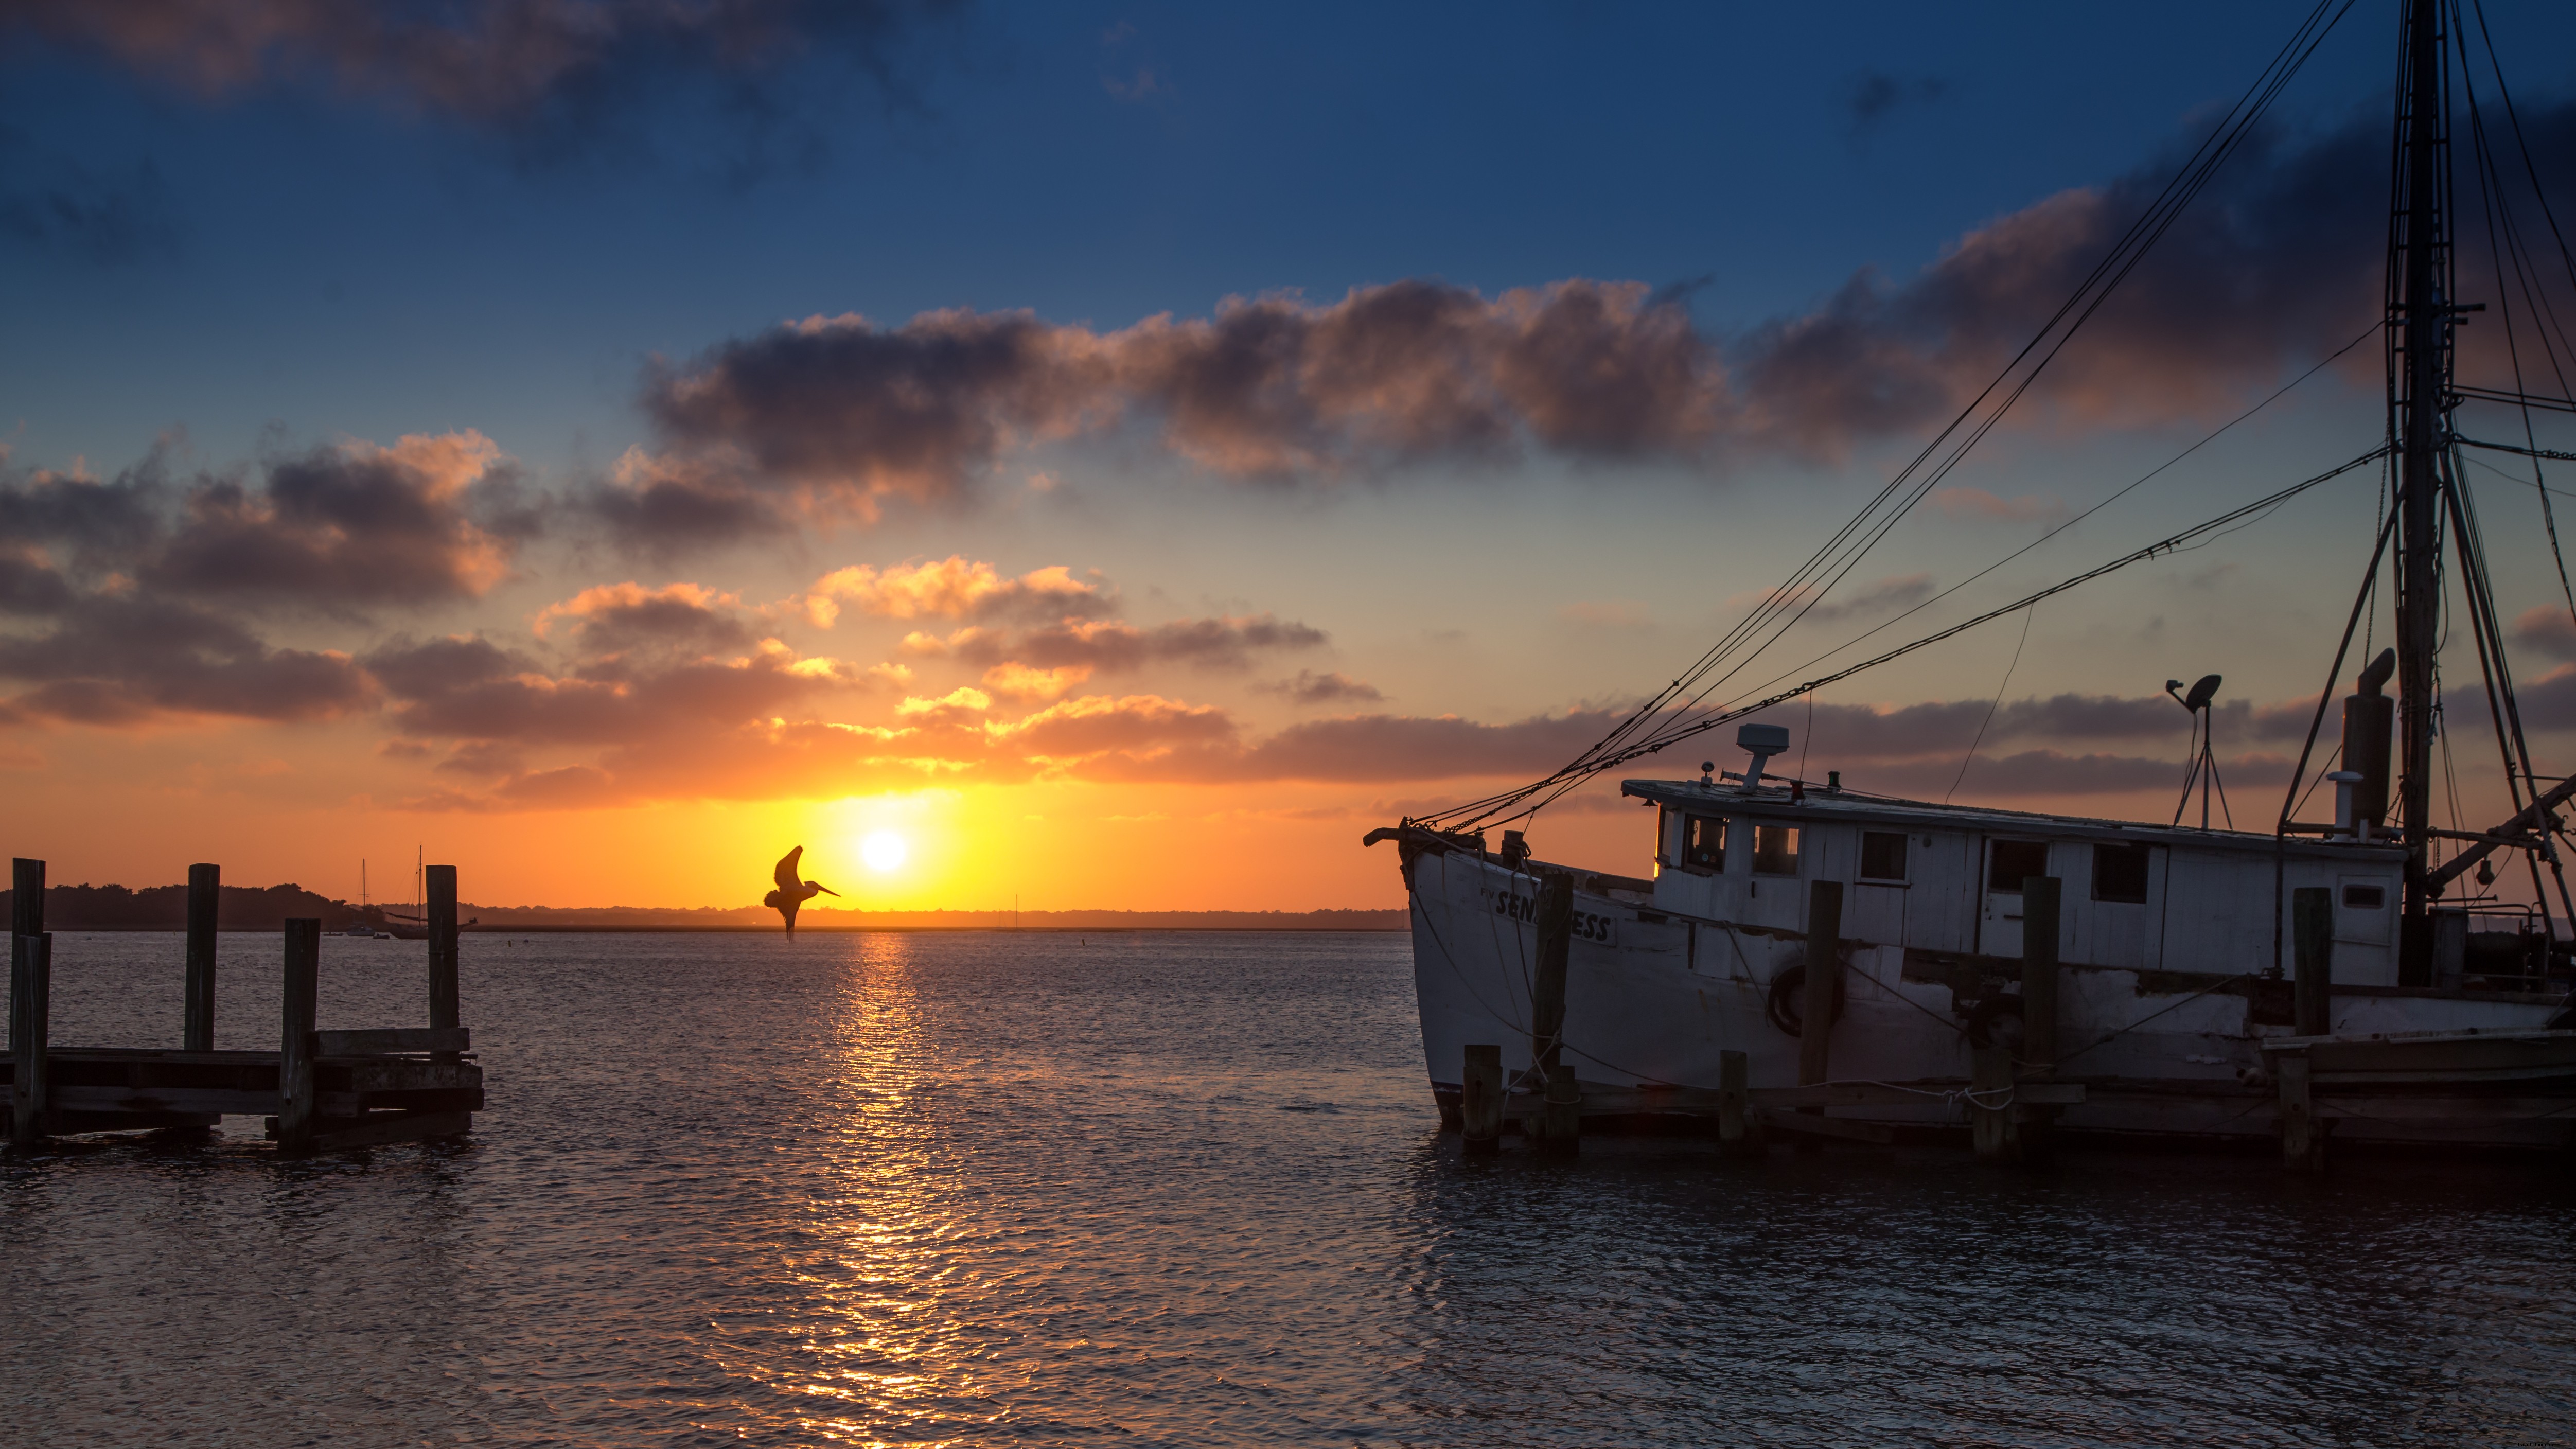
(1844, 550)
(2157, 549)
(1986, 723)
(1573, 775)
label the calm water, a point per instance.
(993, 1189)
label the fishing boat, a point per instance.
(1885, 964)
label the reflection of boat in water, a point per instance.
(2179, 1008)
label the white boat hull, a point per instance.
(1652, 998)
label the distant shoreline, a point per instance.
(832, 930)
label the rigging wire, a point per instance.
(1783, 607)
(1988, 721)
(2158, 549)
(1471, 813)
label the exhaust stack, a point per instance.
(2369, 723)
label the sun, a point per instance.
(883, 850)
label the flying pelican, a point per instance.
(792, 892)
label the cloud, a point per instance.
(467, 688)
(1112, 646)
(2548, 630)
(1310, 688)
(540, 69)
(617, 618)
(953, 588)
(1130, 725)
(105, 220)
(841, 412)
(1021, 684)
(131, 598)
(664, 507)
(1875, 95)
(120, 660)
(2278, 262)
(1380, 748)
(349, 525)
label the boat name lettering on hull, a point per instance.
(1588, 926)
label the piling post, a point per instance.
(295, 1035)
(205, 895)
(2039, 978)
(1990, 1105)
(1561, 1118)
(1824, 973)
(443, 1011)
(27, 901)
(1739, 1123)
(31, 970)
(2312, 925)
(1480, 1100)
(2303, 1137)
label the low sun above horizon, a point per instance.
(883, 850)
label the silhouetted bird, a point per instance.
(792, 892)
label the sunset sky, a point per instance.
(1129, 451)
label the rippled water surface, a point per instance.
(1177, 1189)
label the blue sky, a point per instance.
(324, 239)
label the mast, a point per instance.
(2420, 376)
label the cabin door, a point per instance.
(2007, 863)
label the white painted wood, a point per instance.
(1655, 1001)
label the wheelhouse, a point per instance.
(1949, 880)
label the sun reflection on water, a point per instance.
(877, 1276)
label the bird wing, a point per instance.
(785, 874)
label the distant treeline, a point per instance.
(165, 908)
(609, 918)
(244, 908)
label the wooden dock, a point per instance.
(320, 1090)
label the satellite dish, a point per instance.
(2200, 696)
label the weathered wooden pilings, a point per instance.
(1561, 1125)
(2303, 1133)
(1824, 974)
(1739, 1122)
(2312, 931)
(1480, 1099)
(442, 953)
(1990, 1102)
(31, 960)
(2028, 1130)
(295, 1045)
(205, 897)
(2303, 1137)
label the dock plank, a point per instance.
(372, 1041)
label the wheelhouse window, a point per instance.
(2010, 862)
(1775, 850)
(2364, 897)
(1704, 843)
(2120, 873)
(1882, 855)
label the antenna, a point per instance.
(2204, 759)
